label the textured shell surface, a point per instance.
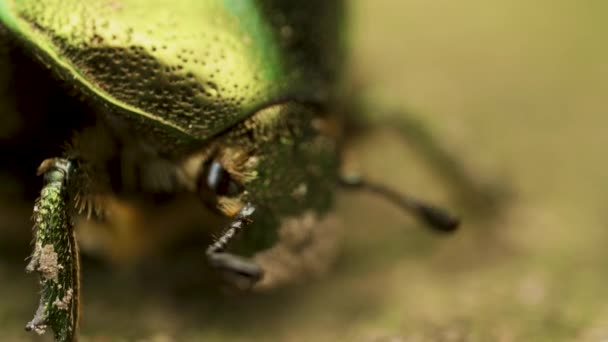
(186, 69)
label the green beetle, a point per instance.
(238, 102)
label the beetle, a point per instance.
(238, 102)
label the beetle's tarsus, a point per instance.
(436, 218)
(483, 199)
(233, 264)
(237, 265)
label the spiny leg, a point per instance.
(55, 255)
(233, 264)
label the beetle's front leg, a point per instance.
(237, 267)
(483, 198)
(479, 197)
(55, 255)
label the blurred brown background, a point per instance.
(516, 90)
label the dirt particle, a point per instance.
(38, 324)
(308, 244)
(64, 303)
(39, 329)
(47, 262)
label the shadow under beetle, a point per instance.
(238, 102)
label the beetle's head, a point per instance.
(283, 157)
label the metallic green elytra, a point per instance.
(236, 103)
(185, 70)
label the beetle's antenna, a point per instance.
(437, 218)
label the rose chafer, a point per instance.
(239, 102)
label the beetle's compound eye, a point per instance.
(217, 179)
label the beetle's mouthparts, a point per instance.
(437, 218)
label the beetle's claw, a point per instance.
(240, 271)
(438, 219)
